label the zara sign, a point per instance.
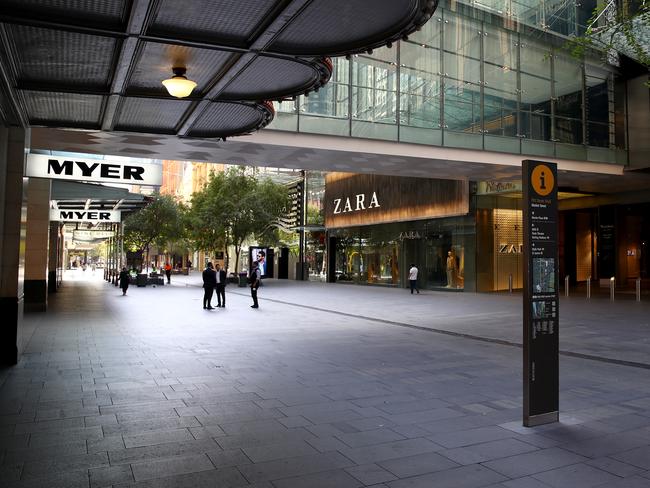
(53, 167)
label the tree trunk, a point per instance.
(237, 251)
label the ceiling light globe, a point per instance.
(179, 86)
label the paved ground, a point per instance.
(321, 387)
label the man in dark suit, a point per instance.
(221, 286)
(209, 284)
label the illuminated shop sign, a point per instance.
(94, 216)
(344, 205)
(410, 235)
(511, 248)
(364, 199)
(492, 187)
(43, 166)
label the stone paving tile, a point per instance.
(471, 436)
(328, 479)
(44, 439)
(157, 437)
(129, 428)
(464, 477)
(10, 472)
(110, 475)
(172, 449)
(162, 468)
(370, 437)
(109, 443)
(370, 474)
(70, 479)
(296, 466)
(534, 462)
(390, 450)
(271, 452)
(488, 451)
(575, 476)
(639, 457)
(406, 467)
(326, 443)
(40, 453)
(615, 467)
(222, 478)
(608, 444)
(232, 457)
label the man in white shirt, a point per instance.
(413, 279)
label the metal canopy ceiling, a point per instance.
(99, 65)
(72, 195)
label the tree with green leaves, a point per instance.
(234, 206)
(621, 28)
(159, 223)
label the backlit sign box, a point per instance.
(99, 170)
(93, 216)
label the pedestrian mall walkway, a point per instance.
(323, 386)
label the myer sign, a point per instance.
(95, 216)
(43, 166)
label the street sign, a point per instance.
(89, 235)
(541, 311)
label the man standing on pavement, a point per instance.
(413, 279)
(255, 283)
(221, 286)
(209, 284)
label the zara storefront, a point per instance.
(377, 226)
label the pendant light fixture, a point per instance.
(178, 85)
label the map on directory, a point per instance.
(541, 313)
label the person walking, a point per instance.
(221, 286)
(255, 278)
(124, 280)
(413, 278)
(209, 283)
(168, 272)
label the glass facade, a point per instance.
(442, 249)
(463, 82)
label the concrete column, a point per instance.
(53, 262)
(13, 214)
(36, 250)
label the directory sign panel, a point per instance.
(541, 311)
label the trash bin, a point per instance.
(141, 279)
(243, 279)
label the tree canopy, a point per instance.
(234, 206)
(159, 223)
(623, 29)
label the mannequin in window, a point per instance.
(451, 269)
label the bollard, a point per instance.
(638, 289)
(589, 287)
(510, 283)
(612, 287)
(566, 286)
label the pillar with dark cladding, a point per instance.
(13, 212)
(36, 249)
(53, 263)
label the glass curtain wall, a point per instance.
(461, 82)
(383, 254)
